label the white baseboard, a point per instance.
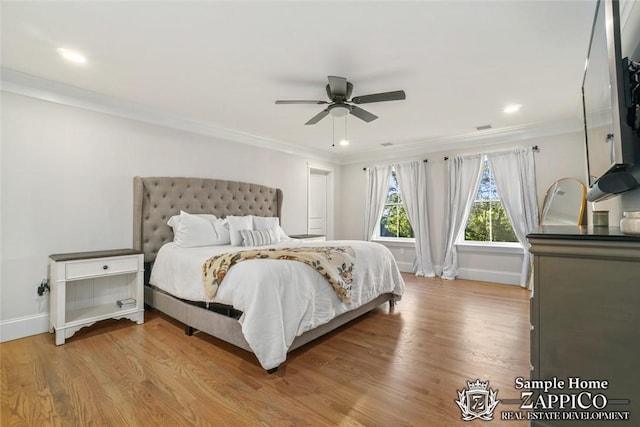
(21, 327)
(405, 267)
(495, 276)
(39, 323)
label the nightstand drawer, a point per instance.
(100, 267)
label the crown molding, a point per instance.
(470, 140)
(59, 93)
(48, 90)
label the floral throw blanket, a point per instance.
(335, 264)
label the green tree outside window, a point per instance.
(394, 221)
(488, 221)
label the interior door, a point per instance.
(317, 219)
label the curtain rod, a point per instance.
(534, 148)
(425, 161)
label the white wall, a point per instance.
(558, 157)
(66, 186)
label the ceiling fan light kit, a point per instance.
(339, 110)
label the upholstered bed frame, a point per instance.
(156, 199)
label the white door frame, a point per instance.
(317, 170)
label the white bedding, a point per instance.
(279, 299)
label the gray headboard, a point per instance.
(156, 199)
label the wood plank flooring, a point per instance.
(385, 369)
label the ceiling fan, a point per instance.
(339, 91)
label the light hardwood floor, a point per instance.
(386, 369)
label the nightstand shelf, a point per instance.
(95, 313)
(310, 237)
(86, 286)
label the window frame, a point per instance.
(376, 234)
(486, 245)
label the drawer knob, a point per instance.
(105, 267)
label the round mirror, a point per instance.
(564, 203)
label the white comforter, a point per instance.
(279, 299)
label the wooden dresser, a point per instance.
(585, 318)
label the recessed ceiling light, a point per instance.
(72, 55)
(512, 108)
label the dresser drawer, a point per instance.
(100, 267)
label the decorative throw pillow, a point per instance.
(270, 223)
(257, 237)
(237, 223)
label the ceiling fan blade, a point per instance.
(363, 114)
(397, 95)
(315, 119)
(300, 102)
(338, 85)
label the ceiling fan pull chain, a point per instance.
(333, 129)
(346, 131)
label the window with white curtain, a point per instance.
(394, 223)
(488, 222)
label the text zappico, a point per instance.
(539, 397)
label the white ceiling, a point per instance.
(223, 64)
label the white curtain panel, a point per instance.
(412, 179)
(514, 173)
(377, 189)
(464, 177)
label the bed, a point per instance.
(235, 314)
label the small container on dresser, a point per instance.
(630, 224)
(600, 218)
(87, 287)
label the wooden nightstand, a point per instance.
(310, 237)
(86, 287)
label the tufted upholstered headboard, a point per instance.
(156, 199)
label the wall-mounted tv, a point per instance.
(611, 101)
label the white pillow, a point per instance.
(282, 236)
(270, 223)
(257, 237)
(237, 223)
(221, 228)
(175, 219)
(191, 231)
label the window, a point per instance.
(488, 221)
(394, 222)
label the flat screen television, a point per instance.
(611, 104)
